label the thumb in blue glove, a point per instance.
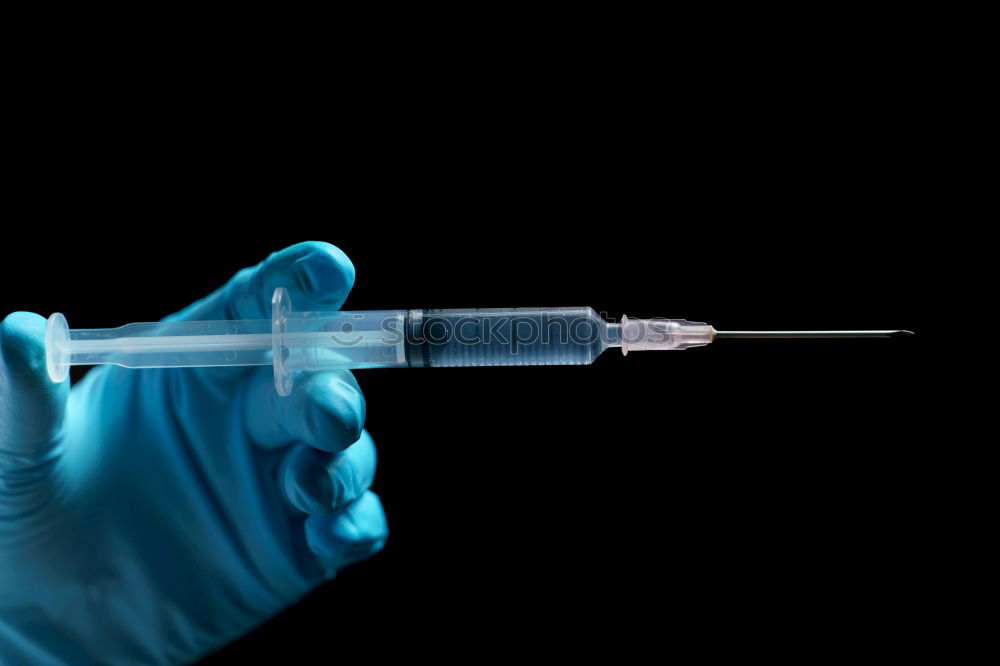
(31, 419)
(153, 516)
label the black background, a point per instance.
(749, 495)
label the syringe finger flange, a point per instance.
(281, 306)
(56, 355)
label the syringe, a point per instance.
(296, 341)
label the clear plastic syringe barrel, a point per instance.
(507, 337)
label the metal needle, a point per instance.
(809, 334)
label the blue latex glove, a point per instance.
(152, 516)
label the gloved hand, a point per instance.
(151, 516)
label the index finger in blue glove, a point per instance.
(318, 277)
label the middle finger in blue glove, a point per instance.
(325, 410)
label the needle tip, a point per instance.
(901, 334)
